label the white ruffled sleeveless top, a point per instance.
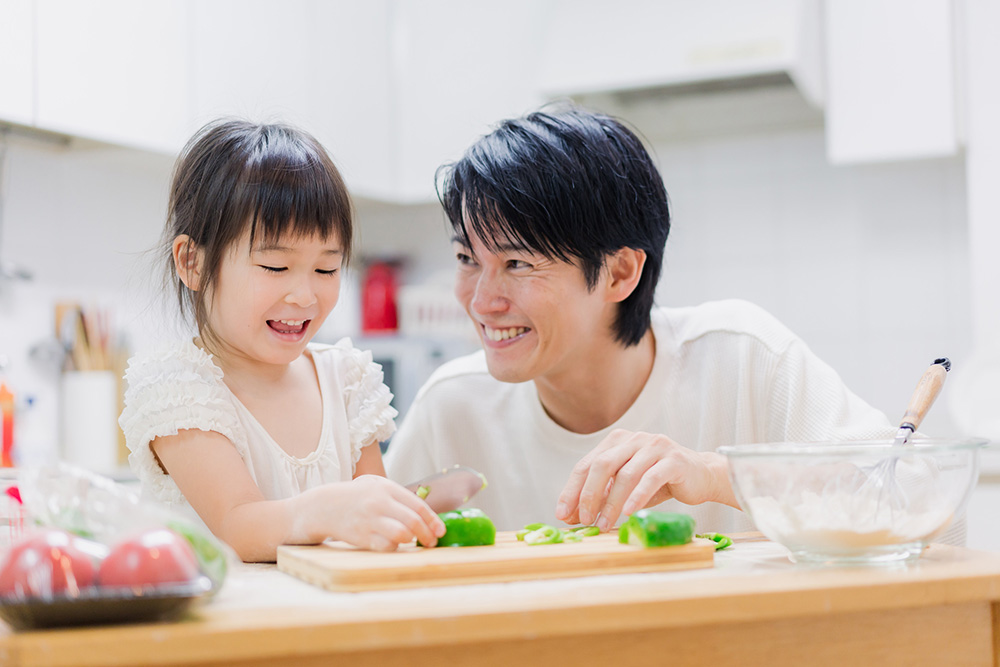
(179, 387)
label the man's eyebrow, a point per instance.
(500, 247)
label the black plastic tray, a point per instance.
(102, 606)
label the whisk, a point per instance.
(882, 478)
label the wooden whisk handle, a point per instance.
(924, 395)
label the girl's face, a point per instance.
(270, 300)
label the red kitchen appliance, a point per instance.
(378, 299)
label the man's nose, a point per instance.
(490, 294)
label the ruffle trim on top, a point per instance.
(368, 400)
(171, 389)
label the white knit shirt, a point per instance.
(179, 387)
(725, 372)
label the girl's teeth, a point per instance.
(504, 334)
(292, 323)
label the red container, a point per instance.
(378, 299)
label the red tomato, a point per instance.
(158, 556)
(46, 563)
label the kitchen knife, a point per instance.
(449, 489)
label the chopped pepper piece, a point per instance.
(423, 491)
(649, 528)
(466, 528)
(544, 534)
(721, 541)
(585, 531)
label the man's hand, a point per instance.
(631, 470)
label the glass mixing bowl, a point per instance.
(854, 502)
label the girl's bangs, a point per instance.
(301, 200)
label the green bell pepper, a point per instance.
(466, 528)
(649, 528)
(721, 541)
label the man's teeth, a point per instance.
(504, 334)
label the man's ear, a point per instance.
(188, 261)
(624, 271)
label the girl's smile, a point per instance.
(290, 330)
(270, 300)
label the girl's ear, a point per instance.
(188, 261)
(624, 271)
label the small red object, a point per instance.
(378, 299)
(15, 493)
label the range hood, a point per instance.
(650, 49)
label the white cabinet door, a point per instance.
(890, 80)
(114, 70)
(459, 67)
(17, 46)
(322, 66)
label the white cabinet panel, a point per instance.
(114, 70)
(454, 82)
(17, 59)
(890, 80)
(322, 66)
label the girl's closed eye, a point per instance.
(273, 269)
(327, 272)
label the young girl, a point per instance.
(270, 438)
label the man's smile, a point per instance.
(504, 334)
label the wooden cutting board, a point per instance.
(337, 566)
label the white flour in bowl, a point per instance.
(843, 521)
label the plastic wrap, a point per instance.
(93, 551)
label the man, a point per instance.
(586, 402)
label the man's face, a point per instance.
(270, 300)
(535, 316)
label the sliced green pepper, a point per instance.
(649, 528)
(544, 534)
(721, 541)
(466, 528)
(423, 491)
(584, 531)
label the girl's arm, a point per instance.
(369, 511)
(370, 462)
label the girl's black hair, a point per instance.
(235, 175)
(569, 184)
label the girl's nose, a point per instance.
(302, 294)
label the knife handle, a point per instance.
(927, 390)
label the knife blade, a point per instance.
(449, 489)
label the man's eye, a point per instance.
(464, 259)
(273, 269)
(518, 264)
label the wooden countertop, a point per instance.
(754, 602)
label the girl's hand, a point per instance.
(631, 470)
(370, 512)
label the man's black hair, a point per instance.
(569, 184)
